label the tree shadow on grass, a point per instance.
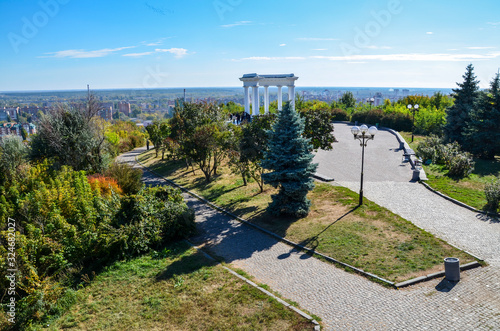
(487, 167)
(186, 265)
(216, 192)
(313, 242)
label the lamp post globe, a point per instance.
(364, 129)
(413, 109)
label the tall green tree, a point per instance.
(13, 154)
(289, 161)
(483, 134)
(458, 116)
(348, 100)
(319, 127)
(254, 143)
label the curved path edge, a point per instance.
(458, 203)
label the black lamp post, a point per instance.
(371, 101)
(363, 134)
(413, 109)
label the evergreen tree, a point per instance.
(458, 115)
(483, 134)
(289, 160)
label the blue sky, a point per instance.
(67, 44)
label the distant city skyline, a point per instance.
(67, 44)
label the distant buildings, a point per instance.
(16, 129)
(124, 107)
(11, 112)
(106, 111)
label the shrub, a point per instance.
(492, 192)
(459, 164)
(340, 115)
(396, 121)
(104, 185)
(431, 148)
(151, 218)
(64, 225)
(127, 177)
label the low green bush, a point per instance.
(459, 163)
(64, 225)
(431, 148)
(396, 121)
(492, 192)
(127, 177)
(340, 115)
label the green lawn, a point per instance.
(370, 237)
(175, 289)
(468, 190)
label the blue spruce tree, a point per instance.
(458, 116)
(482, 132)
(289, 160)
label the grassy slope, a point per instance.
(370, 237)
(178, 289)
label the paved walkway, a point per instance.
(343, 300)
(387, 182)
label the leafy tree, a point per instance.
(207, 148)
(190, 124)
(483, 134)
(158, 132)
(24, 133)
(254, 143)
(13, 154)
(289, 160)
(73, 135)
(458, 115)
(319, 127)
(348, 100)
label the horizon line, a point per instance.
(217, 87)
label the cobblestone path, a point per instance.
(343, 300)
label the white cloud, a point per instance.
(282, 45)
(81, 54)
(138, 54)
(429, 33)
(378, 47)
(240, 23)
(320, 49)
(178, 52)
(494, 23)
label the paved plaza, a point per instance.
(347, 301)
